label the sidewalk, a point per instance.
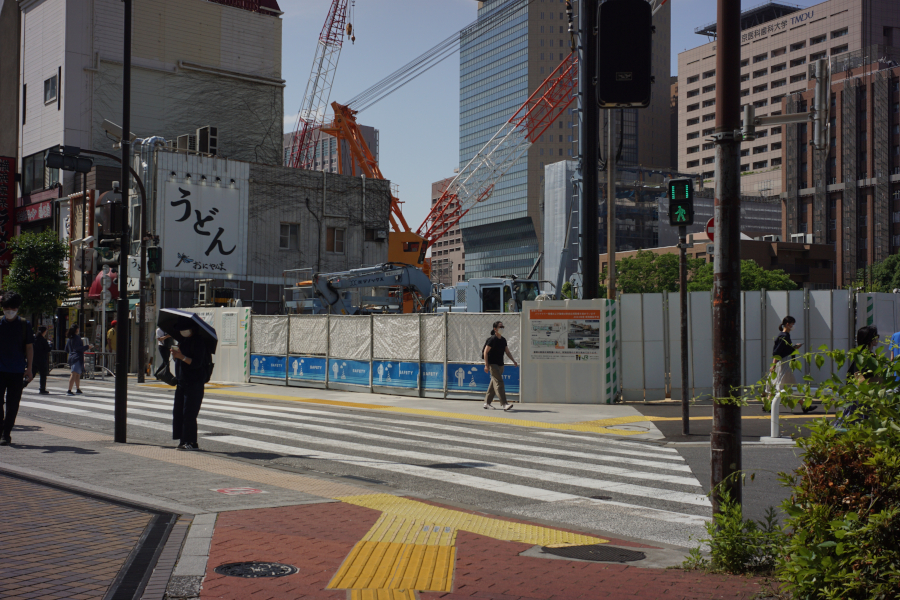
(341, 537)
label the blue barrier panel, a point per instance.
(395, 374)
(472, 378)
(266, 365)
(354, 372)
(432, 376)
(306, 368)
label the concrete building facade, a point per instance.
(778, 44)
(848, 196)
(327, 151)
(448, 255)
(195, 63)
(499, 68)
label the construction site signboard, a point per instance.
(564, 334)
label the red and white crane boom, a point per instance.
(318, 89)
(476, 181)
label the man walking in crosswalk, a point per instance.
(494, 349)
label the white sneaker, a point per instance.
(487, 406)
(506, 406)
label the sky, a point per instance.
(419, 124)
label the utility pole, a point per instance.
(122, 339)
(590, 141)
(726, 431)
(84, 235)
(611, 205)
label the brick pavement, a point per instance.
(317, 538)
(58, 544)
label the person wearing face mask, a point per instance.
(492, 352)
(16, 355)
(191, 359)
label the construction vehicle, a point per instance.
(331, 292)
(489, 295)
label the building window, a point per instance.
(693, 121)
(745, 152)
(35, 176)
(778, 68)
(745, 77)
(708, 103)
(818, 39)
(761, 103)
(817, 56)
(709, 74)
(798, 61)
(776, 130)
(709, 160)
(709, 131)
(761, 133)
(709, 117)
(334, 240)
(745, 93)
(693, 79)
(692, 93)
(760, 88)
(796, 78)
(760, 149)
(778, 83)
(839, 33)
(693, 107)
(693, 163)
(745, 62)
(693, 136)
(761, 164)
(776, 146)
(709, 88)
(760, 57)
(839, 49)
(798, 46)
(745, 168)
(50, 89)
(760, 73)
(290, 236)
(693, 150)
(709, 146)
(776, 162)
(777, 99)
(778, 51)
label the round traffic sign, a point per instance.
(711, 229)
(106, 281)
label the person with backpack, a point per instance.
(192, 360)
(492, 352)
(75, 348)
(16, 355)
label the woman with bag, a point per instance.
(192, 361)
(75, 348)
(781, 362)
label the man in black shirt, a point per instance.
(16, 341)
(494, 348)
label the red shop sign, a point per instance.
(34, 212)
(7, 202)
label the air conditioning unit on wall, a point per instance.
(208, 140)
(186, 142)
(801, 238)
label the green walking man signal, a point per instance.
(681, 202)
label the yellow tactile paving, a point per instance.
(66, 433)
(382, 595)
(436, 516)
(238, 470)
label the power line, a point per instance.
(434, 56)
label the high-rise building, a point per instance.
(327, 151)
(848, 195)
(448, 255)
(499, 68)
(779, 42)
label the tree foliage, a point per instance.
(648, 272)
(753, 277)
(36, 271)
(883, 276)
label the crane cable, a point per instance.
(431, 58)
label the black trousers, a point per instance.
(188, 398)
(11, 385)
(164, 352)
(42, 367)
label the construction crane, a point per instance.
(476, 181)
(315, 102)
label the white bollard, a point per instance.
(774, 431)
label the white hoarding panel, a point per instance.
(654, 358)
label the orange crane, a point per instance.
(476, 181)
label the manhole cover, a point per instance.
(598, 552)
(255, 569)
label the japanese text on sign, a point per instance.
(568, 335)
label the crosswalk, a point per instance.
(517, 466)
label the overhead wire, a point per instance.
(434, 56)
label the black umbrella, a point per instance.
(172, 321)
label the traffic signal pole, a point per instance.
(725, 439)
(590, 141)
(122, 339)
(682, 309)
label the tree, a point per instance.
(35, 271)
(648, 272)
(883, 276)
(753, 277)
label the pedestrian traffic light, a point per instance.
(624, 54)
(154, 259)
(681, 202)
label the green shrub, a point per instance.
(843, 526)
